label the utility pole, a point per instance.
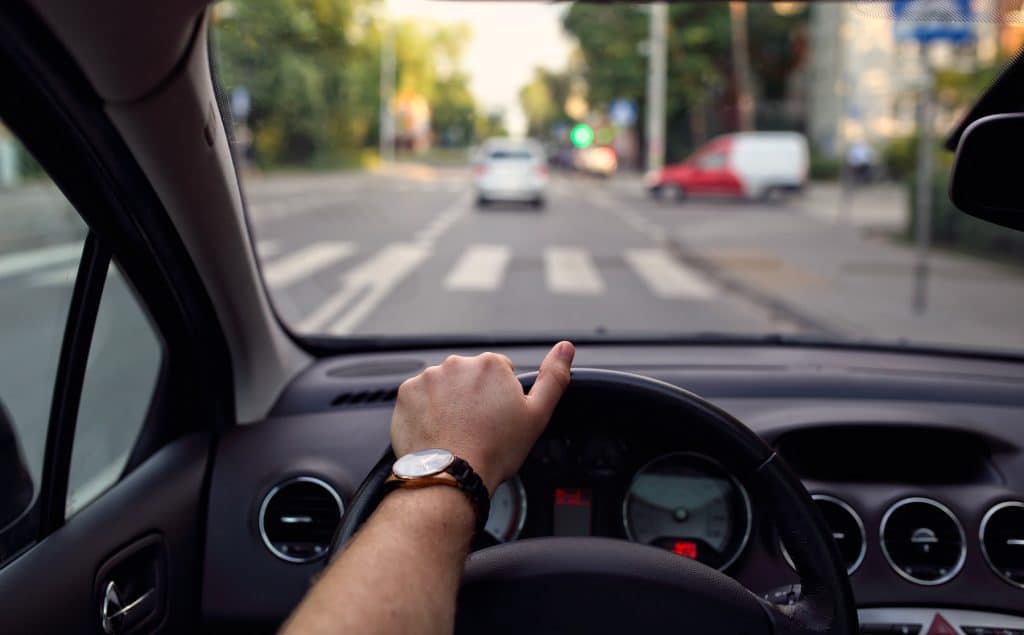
(925, 168)
(386, 125)
(741, 66)
(657, 68)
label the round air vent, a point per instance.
(923, 541)
(1002, 541)
(847, 530)
(298, 518)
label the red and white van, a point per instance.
(743, 164)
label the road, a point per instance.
(411, 254)
(405, 251)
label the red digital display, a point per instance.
(571, 515)
(572, 496)
(685, 548)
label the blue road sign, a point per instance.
(622, 112)
(933, 20)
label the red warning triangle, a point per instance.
(940, 627)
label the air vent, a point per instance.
(298, 519)
(923, 541)
(1002, 541)
(366, 397)
(847, 530)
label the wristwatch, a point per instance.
(437, 466)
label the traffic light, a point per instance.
(581, 135)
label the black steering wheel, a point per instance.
(601, 585)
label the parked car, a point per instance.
(598, 160)
(754, 165)
(514, 170)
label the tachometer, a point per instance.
(508, 511)
(689, 504)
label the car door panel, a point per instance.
(56, 586)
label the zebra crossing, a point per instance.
(566, 270)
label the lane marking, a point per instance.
(571, 270)
(305, 262)
(364, 287)
(666, 277)
(443, 221)
(636, 221)
(379, 275)
(480, 268)
(267, 248)
(20, 262)
(65, 276)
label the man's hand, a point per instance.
(475, 407)
(400, 573)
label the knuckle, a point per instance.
(451, 360)
(490, 359)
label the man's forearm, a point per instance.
(401, 572)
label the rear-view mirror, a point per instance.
(987, 177)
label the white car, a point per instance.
(514, 170)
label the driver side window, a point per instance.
(43, 244)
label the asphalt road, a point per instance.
(409, 253)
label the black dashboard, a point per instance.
(915, 460)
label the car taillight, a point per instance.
(542, 170)
(480, 170)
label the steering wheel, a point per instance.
(602, 585)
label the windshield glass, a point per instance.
(420, 167)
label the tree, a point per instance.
(543, 100)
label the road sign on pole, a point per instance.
(927, 21)
(622, 112)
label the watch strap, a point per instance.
(472, 486)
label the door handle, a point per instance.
(118, 616)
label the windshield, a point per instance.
(496, 169)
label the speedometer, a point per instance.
(508, 511)
(689, 504)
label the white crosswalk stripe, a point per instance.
(571, 271)
(19, 262)
(666, 277)
(305, 262)
(481, 268)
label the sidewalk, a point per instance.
(857, 283)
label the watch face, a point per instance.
(423, 463)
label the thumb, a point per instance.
(552, 380)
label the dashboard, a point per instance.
(915, 460)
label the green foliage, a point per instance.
(543, 100)
(824, 168)
(312, 68)
(699, 59)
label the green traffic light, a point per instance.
(581, 135)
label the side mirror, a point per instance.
(986, 179)
(16, 488)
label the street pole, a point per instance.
(842, 95)
(925, 171)
(741, 66)
(387, 93)
(657, 67)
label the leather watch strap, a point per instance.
(472, 486)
